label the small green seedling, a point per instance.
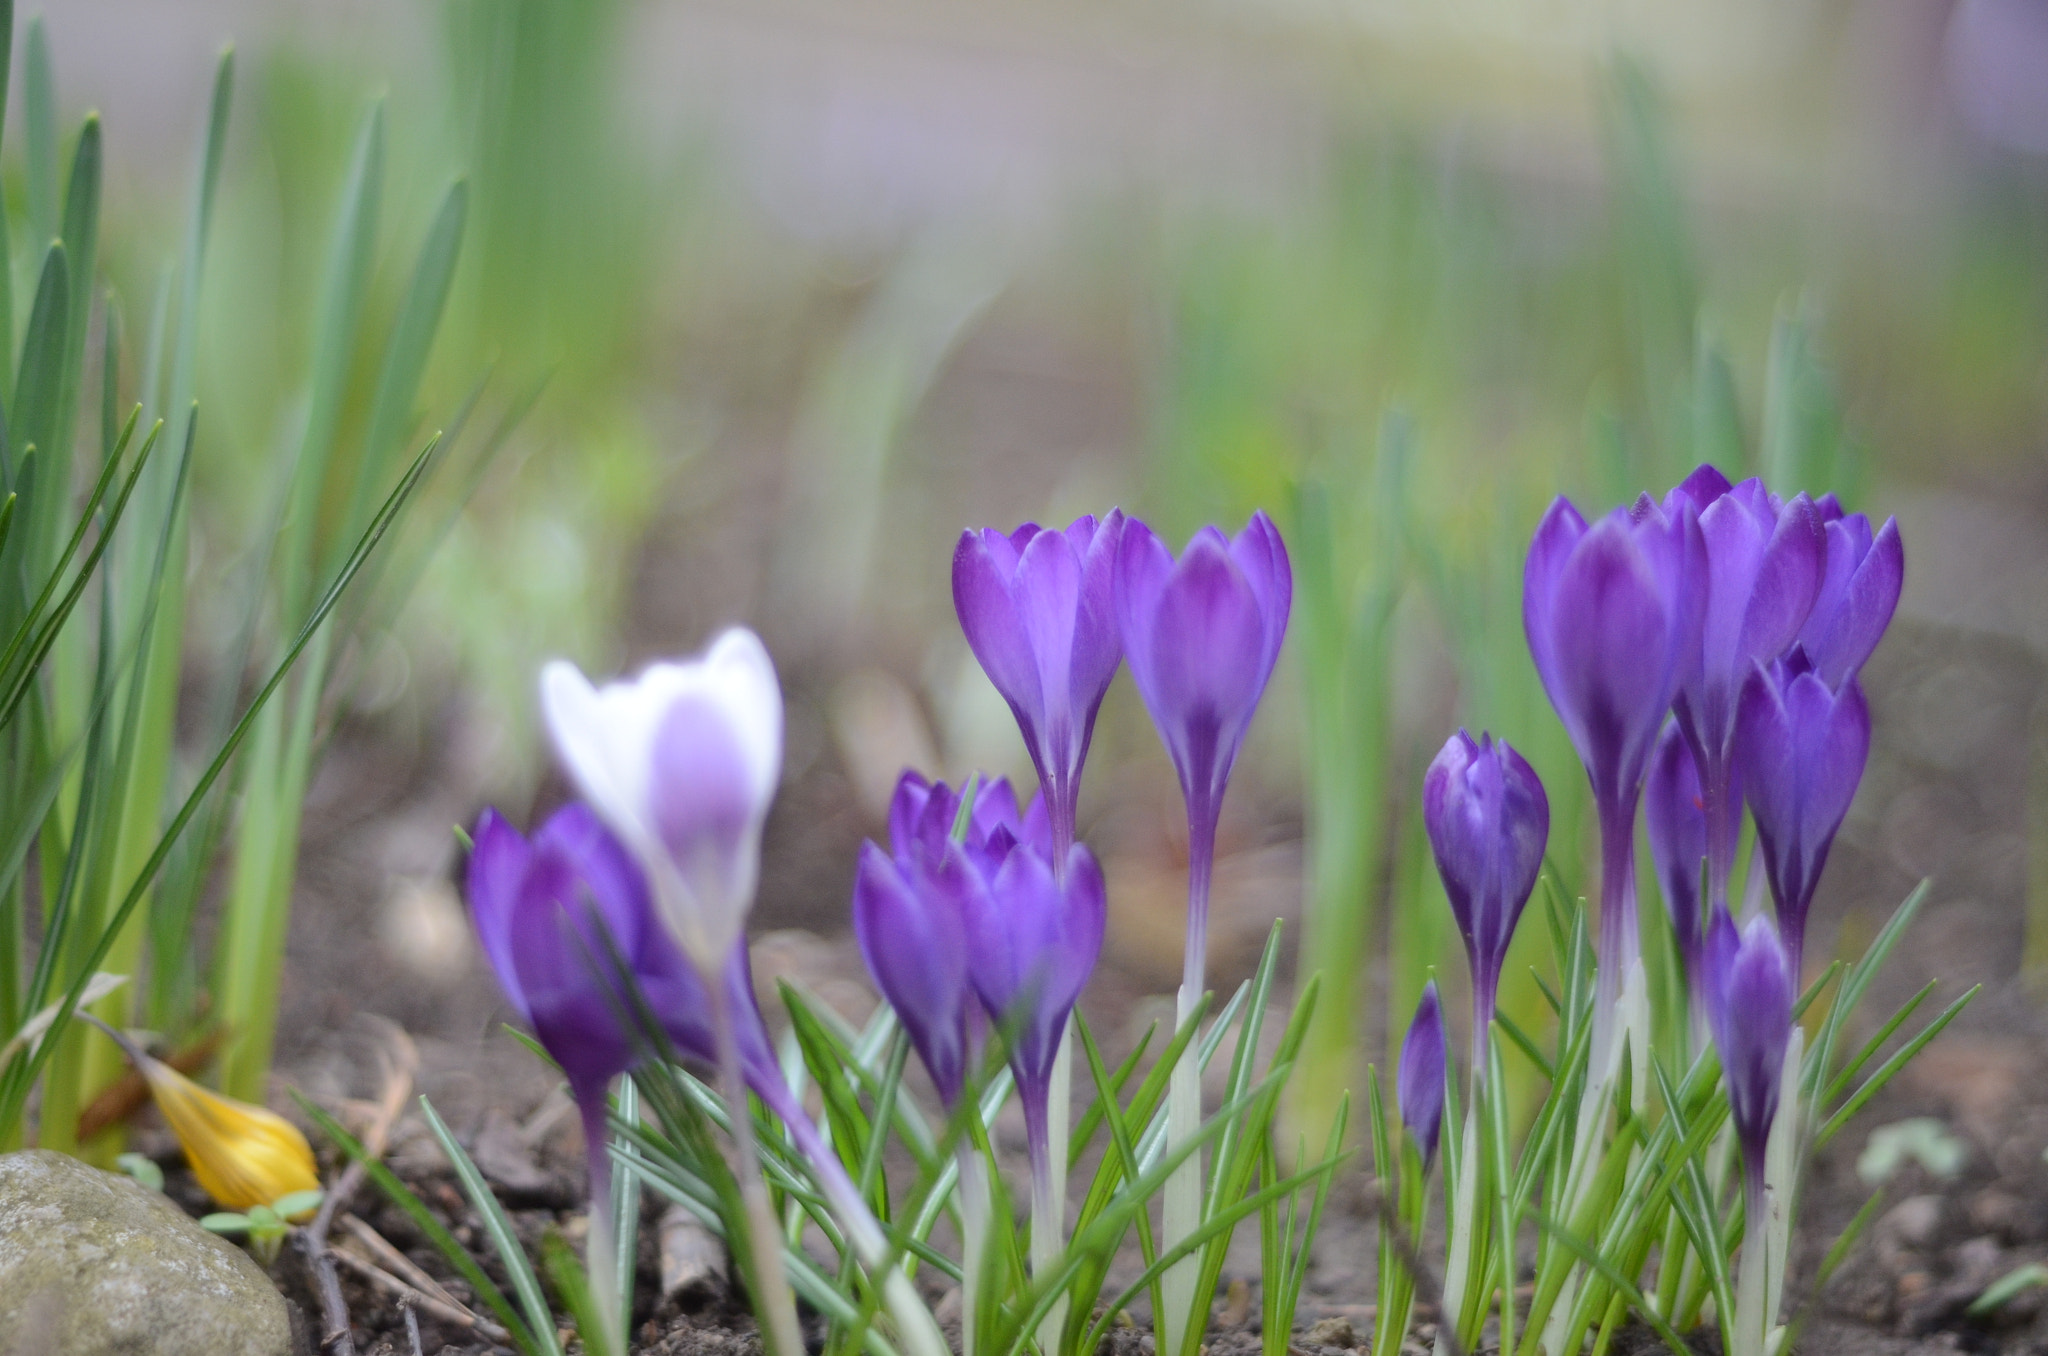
(143, 1169)
(2001, 1291)
(1921, 1139)
(266, 1225)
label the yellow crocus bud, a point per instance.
(244, 1155)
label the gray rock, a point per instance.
(94, 1264)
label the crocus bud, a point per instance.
(1858, 596)
(1613, 614)
(1801, 747)
(1677, 817)
(910, 909)
(243, 1155)
(1488, 822)
(1038, 607)
(1749, 984)
(682, 763)
(1202, 635)
(1032, 941)
(1419, 1080)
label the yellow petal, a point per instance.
(243, 1155)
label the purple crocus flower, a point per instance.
(1613, 613)
(1202, 635)
(1801, 747)
(1419, 1078)
(910, 908)
(1038, 607)
(1488, 822)
(1765, 562)
(1749, 983)
(567, 925)
(1032, 941)
(1858, 596)
(1676, 812)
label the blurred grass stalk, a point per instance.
(91, 781)
(1350, 576)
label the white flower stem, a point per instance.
(1181, 1211)
(1049, 1187)
(974, 1222)
(773, 1303)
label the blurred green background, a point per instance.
(768, 301)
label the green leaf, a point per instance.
(224, 1222)
(1876, 1082)
(400, 1195)
(539, 1318)
(2001, 1291)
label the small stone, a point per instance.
(94, 1264)
(1334, 1332)
(1912, 1223)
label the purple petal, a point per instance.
(912, 934)
(1611, 666)
(1846, 638)
(984, 571)
(1208, 639)
(497, 866)
(1786, 582)
(1705, 485)
(1677, 819)
(703, 805)
(1423, 1070)
(1749, 1007)
(1557, 536)
(1143, 565)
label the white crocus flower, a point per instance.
(682, 763)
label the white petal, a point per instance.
(742, 677)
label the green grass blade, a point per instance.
(401, 1195)
(540, 1318)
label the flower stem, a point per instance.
(1045, 1219)
(1619, 944)
(1182, 1208)
(774, 1305)
(1752, 1282)
(974, 1221)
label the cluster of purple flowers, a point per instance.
(1002, 914)
(627, 907)
(1709, 645)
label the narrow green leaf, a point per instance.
(401, 1195)
(540, 1319)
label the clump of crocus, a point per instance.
(910, 915)
(1802, 747)
(243, 1155)
(1038, 608)
(1766, 558)
(1750, 990)
(1419, 1078)
(1613, 613)
(1488, 822)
